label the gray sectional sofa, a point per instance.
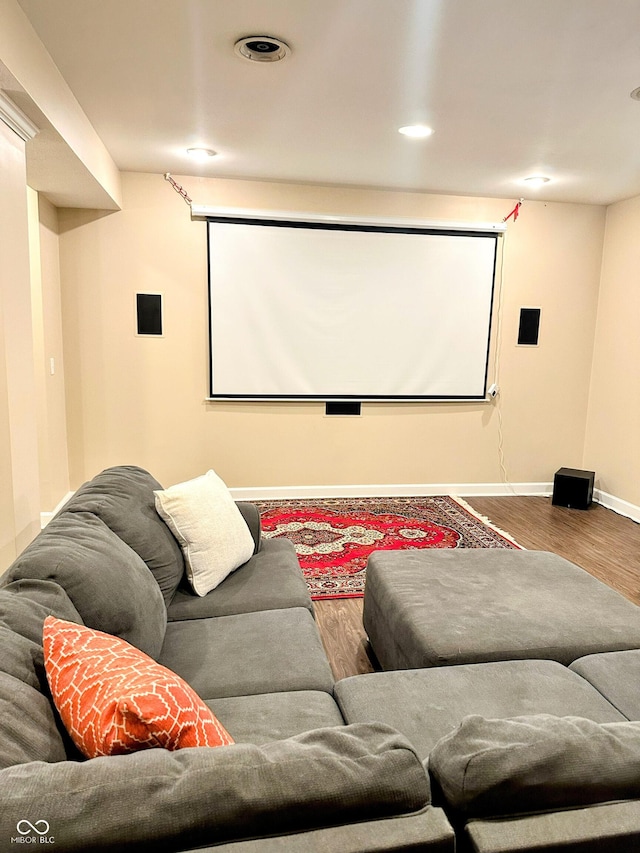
(297, 778)
(515, 676)
(493, 756)
(584, 808)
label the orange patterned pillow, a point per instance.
(113, 698)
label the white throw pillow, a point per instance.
(210, 528)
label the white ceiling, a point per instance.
(510, 87)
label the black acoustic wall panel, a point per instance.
(149, 313)
(529, 328)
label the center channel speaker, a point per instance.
(342, 407)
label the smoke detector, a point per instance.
(261, 48)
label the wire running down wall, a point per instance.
(321, 310)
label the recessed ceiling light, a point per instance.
(262, 48)
(201, 154)
(416, 131)
(636, 94)
(536, 181)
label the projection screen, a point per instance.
(348, 312)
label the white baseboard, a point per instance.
(463, 490)
(45, 517)
(617, 505)
(391, 490)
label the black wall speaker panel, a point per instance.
(342, 408)
(529, 327)
(149, 313)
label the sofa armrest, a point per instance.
(251, 515)
(160, 800)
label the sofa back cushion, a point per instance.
(109, 584)
(29, 727)
(160, 800)
(536, 763)
(122, 497)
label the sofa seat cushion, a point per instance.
(264, 717)
(600, 828)
(267, 652)
(123, 498)
(29, 728)
(534, 763)
(442, 607)
(427, 831)
(114, 699)
(426, 704)
(109, 584)
(270, 580)
(211, 530)
(159, 800)
(617, 676)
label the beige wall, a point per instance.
(19, 479)
(142, 401)
(612, 445)
(53, 460)
(34, 472)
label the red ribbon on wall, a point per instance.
(515, 211)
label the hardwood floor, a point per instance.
(604, 543)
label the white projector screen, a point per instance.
(348, 312)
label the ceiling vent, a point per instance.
(262, 48)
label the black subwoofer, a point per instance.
(573, 488)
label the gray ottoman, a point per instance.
(432, 607)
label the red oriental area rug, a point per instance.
(334, 537)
